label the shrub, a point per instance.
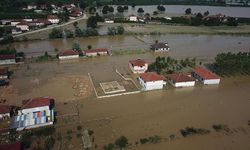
(219, 127)
(121, 142)
(79, 128)
(191, 131)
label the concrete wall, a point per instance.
(138, 69)
(31, 110)
(212, 81)
(68, 57)
(95, 54)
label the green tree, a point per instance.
(76, 47)
(49, 143)
(161, 8)
(140, 10)
(110, 146)
(105, 9)
(68, 33)
(121, 142)
(92, 9)
(120, 9)
(55, 33)
(78, 32)
(120, 30)
(112, 31)
(7, 39)
(188, 11)
(91, 32)
(206, 13)
(92, 22)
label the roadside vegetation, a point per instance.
(232, 63)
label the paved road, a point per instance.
(51, 27)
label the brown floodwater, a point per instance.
(181, 45)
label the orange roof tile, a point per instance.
(204, 73)
(151, 76)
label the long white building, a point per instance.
(205, 76)
(151, 81)
(70, 54)
(181, 80)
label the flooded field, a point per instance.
(136, 116)
(187, 45)
(180, 9)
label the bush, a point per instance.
(56, 33)
(7, 39)
(219, 127)
(191, 131)
(79, 128)
(110, 146)
(121, 142)
(49, 143)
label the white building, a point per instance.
(34, 113)
(24, 26)
(181, 80)
(138, 66)
(151, 81)
(4, 73)
(70, 54)
(205, 76)
(109, 21)
(15, 22)
(133, 18)
(160, 47)
(53, 19)
(6, 59)
(4, 111)
(96, 52)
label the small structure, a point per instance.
(4, 73)
(6, 59)
(181, 80)
(205, 76)
(34, 113)
(160, 47)
(70, 54)
(96, 52)
(24, 26)
(75, 12)
(132, 18)
(109, 21)
(16, 31)
(53, 19)
(138, 66)
(151, 81)
(14, 22)
(4, 111)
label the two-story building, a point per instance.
(151, 81)
(138, 66)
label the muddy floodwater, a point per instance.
(187, 45)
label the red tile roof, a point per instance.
(151, 76)
(36, 102)
(4, 109)
(23, 23)
(138, 62)
(7, 56)
(14, 146)
(204, 73)
(180, 77)
(96, 50)
(68, 53)
(52, 17)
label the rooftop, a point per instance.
(4, 109)
(3, 71)
(180, 77)
(205, 73)
(68, 53)
(151, 76)
(160, 45)
(52, 17)
(7, 56)
(36, 102)
(138, 62)
(96, 50)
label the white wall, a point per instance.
(23, 27)
(7, 61)
(152, 85)
(54, 21)
(132, 18)
(212, 81)
(184, 84)
(68, 57)
(138, 69)
(3, 115)
(95, 54)
(31, 110)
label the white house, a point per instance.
(6, 59)
(53, 19)
(181, 80)
(205, 76)
(133, 18)
(24, 26)
(96, 52)
(70, 54)
(14, 22)
(16, 31)
(29, 7)
(138, 66)
(151, 81)
(160, 47)
(4, 111)
(109, 21)
(34, 113)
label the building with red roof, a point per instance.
(35, 112)
(138, 66)
(96, 52)
(69, 54)
(181, 80)
(24, 26)
(53, 19)
(6, 59)
(13, 146)
(4, 73)
(4, 111)
(205, 76)
(133, 18)
(151, 81)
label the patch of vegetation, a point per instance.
(110, 146)
(128, 52)
(45, 57)
(220, 127)
(121, 142)
(49, 143)
(115, 30)
(232, 63)
(188, 131)
(152, 139)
